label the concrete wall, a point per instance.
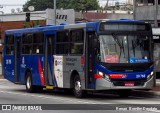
(115, 16)
(145, 13)
(108, 15)
(39, 15)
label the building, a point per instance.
(130, 2)
(148, 10)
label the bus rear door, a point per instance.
(48, 62)
(17, 57)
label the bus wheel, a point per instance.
(78, 92)
(29, 85)
(124, 93)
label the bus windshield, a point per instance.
(124, 48)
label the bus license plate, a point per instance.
(129, 83)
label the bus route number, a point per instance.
(140, 76)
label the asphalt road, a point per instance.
(16, 94)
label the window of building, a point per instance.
(27, 43)
(150, 2)
(77, 41)
(139, 2)
(38, 43)
(62, 42)
(158, 2)
(145, 2)
(10, 44)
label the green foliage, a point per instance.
(78, 5)
(31, 24)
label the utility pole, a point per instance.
(155, 13)
(54, 11)
(106, 6)
(134, 9)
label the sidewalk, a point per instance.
(1, 77)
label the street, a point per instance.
(15, 94)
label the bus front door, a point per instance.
(48, 62)
(90, 60)
(17, 59)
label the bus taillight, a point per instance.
(82, 60)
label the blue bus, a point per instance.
(112, 55)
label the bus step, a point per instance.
(17, 82)
(49, 87)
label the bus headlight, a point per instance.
(100, 73)
(105, 76)
(150, 75)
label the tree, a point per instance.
(78, 5)
(33, 23)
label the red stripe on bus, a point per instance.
(97, 76)
(40, 72)
(116, 76)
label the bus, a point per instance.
(114, 55)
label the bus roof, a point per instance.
(53, 28)
(65, 26)
(124, 20)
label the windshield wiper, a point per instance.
(119, 44)
(133, 47)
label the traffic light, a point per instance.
(27, 17)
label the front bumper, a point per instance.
(103, 84)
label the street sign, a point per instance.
(62, 16)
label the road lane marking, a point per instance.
(57, 98)
(3, 80)
(157, 111)
(65, 100)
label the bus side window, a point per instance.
(62, 42)
(10, 45)
(27, 43)
(77, 41)
(38, 43)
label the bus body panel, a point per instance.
(8, 62)
(35, 65)
(127, 75)
(63, 68)
(144, 79)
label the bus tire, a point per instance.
(78, 92)
(124, 93)
(29, 84)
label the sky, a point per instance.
(7, 5)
